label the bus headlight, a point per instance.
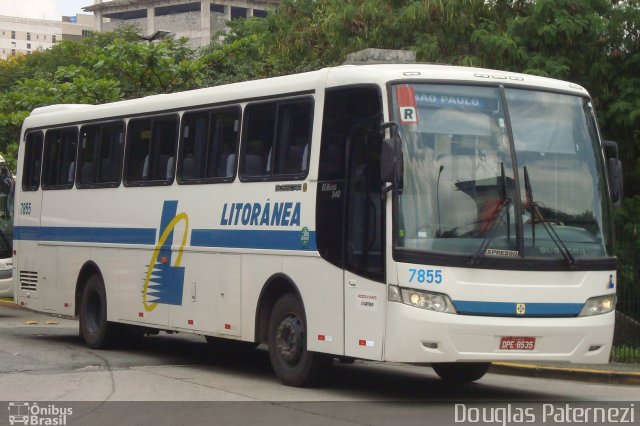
(599, 305)
(422, 299)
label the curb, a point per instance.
(566, 373)
(9, 304)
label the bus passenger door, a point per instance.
(364, 278)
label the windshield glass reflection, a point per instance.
(459, 185)
(556, 144)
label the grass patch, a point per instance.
(625, 353)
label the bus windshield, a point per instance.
(461, 163)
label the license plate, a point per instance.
(517, 343)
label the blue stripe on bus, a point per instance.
(508, 309)
(85, 234)
(247, 239)
(263, 239)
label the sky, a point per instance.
(42, 9)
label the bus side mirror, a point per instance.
(391, 159)
(614, 171)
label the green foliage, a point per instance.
(103, 67)
(627, 224)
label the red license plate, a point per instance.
(517, 343)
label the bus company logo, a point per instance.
(304, 237)
(521, 308)
(164, 280)
(25, 413)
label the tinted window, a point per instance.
(151, 148)
(59, 158)
(364, 228)
(100, 154)
(277, 139)
(351, 114)
(32, 162)
(209, 146)
(258, 141)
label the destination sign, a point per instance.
(424, 99)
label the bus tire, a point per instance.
(461, 372)
(96, 331)
(292, 362)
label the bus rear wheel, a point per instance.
(96, 331)
(292, 362)
(461, 372)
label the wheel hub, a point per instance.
(289, 340)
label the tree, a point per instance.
(113, 66)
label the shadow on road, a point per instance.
(378, 381)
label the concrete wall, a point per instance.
(181, 24)
(197, 26)
(141, 24)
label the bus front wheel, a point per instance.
(292, 362)
(94, 327)
(461, 372)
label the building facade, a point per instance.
(22, 36)
(197, 20)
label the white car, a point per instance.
(7, 187)
(6, 281)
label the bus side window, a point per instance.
(138, 141)
(260, 122)
(294, 137)
(278, 138)
(163, 149)
(109, 161)
(32, 161)
(151, 151)
(223, 144)
(209, 146)
(60, 149)
(99, 155)
(87, 155)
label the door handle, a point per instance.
(352, 283)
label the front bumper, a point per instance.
(421, 336)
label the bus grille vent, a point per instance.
(28, 280)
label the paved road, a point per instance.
(42, 358)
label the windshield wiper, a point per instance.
(504, 209)
(534, 209)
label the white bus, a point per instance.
(409, 213)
